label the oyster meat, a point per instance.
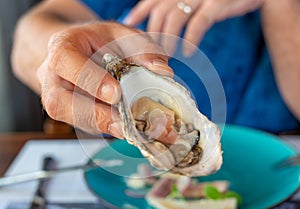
(162, 120)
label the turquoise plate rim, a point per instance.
(229, 128)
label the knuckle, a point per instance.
(55, 60)
(175, 18)
(50, 102)
(59, 46)
(171, 17)
(102, 120)
(88, 123)
(87, 80)
(57, 52)
(207, 19)
(205, 16)
(59, 39)
(156, 12)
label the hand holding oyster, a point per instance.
(162, 120)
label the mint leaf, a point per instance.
(234, 195)
(212, 192)
(175, 193)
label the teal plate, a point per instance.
(249, 157)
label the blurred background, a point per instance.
(20, 108)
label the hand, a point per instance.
(166, 17)
(76, 89)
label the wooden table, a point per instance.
(12, 143)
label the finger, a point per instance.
(77, 109)
(152, 57)
(140, 12)
(144, 52)
(200, 22)
(42, 75)
(91, 115)
(68, 61)
(173, 25)
(83, 112)
(171, 32)
(157, 63)
(237, 8)
(157, 16)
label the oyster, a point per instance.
(162, 120)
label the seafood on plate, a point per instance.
(161, 118)
(181, 192)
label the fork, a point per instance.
(39, 200)
(290, 161)
(44, 174)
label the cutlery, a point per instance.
(290, 161)
(44, 174)
(39, 200)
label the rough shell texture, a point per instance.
(138, 82)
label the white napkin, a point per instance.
(67, 187)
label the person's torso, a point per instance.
(237, 50)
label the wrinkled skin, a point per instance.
(74, 86)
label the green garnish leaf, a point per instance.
(175, 193)
(234, 195)
(212, 192)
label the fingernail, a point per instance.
(188, 49)
(159, 63)
(161, 67)
(127, 20)
(110, 94)
(116, 129)
(188, 52)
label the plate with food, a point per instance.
(248, 177)
(175, 157)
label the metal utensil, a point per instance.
(39, 200)
(290, 161)
(42, 174)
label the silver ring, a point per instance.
(187, 9)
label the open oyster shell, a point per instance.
(162, 120)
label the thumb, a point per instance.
(157, 63)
